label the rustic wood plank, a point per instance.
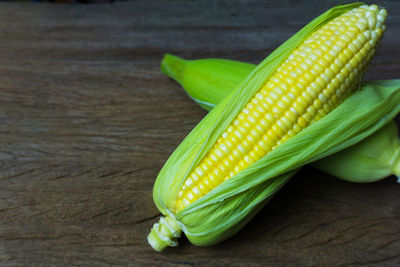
(87, 121)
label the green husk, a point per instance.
(208, 81)
(371, 160)
(226, 208)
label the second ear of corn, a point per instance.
(208, 81)
(283, 115)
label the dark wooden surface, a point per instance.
(87, 121)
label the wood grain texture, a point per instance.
(88, 120)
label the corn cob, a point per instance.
(317, 76)
(302, 83)
(208, 81)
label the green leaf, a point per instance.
(206, 81)
(371, 160)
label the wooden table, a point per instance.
(88, 120)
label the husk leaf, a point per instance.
(206, 81)
(371, 160)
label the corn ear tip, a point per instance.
(173, 66)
